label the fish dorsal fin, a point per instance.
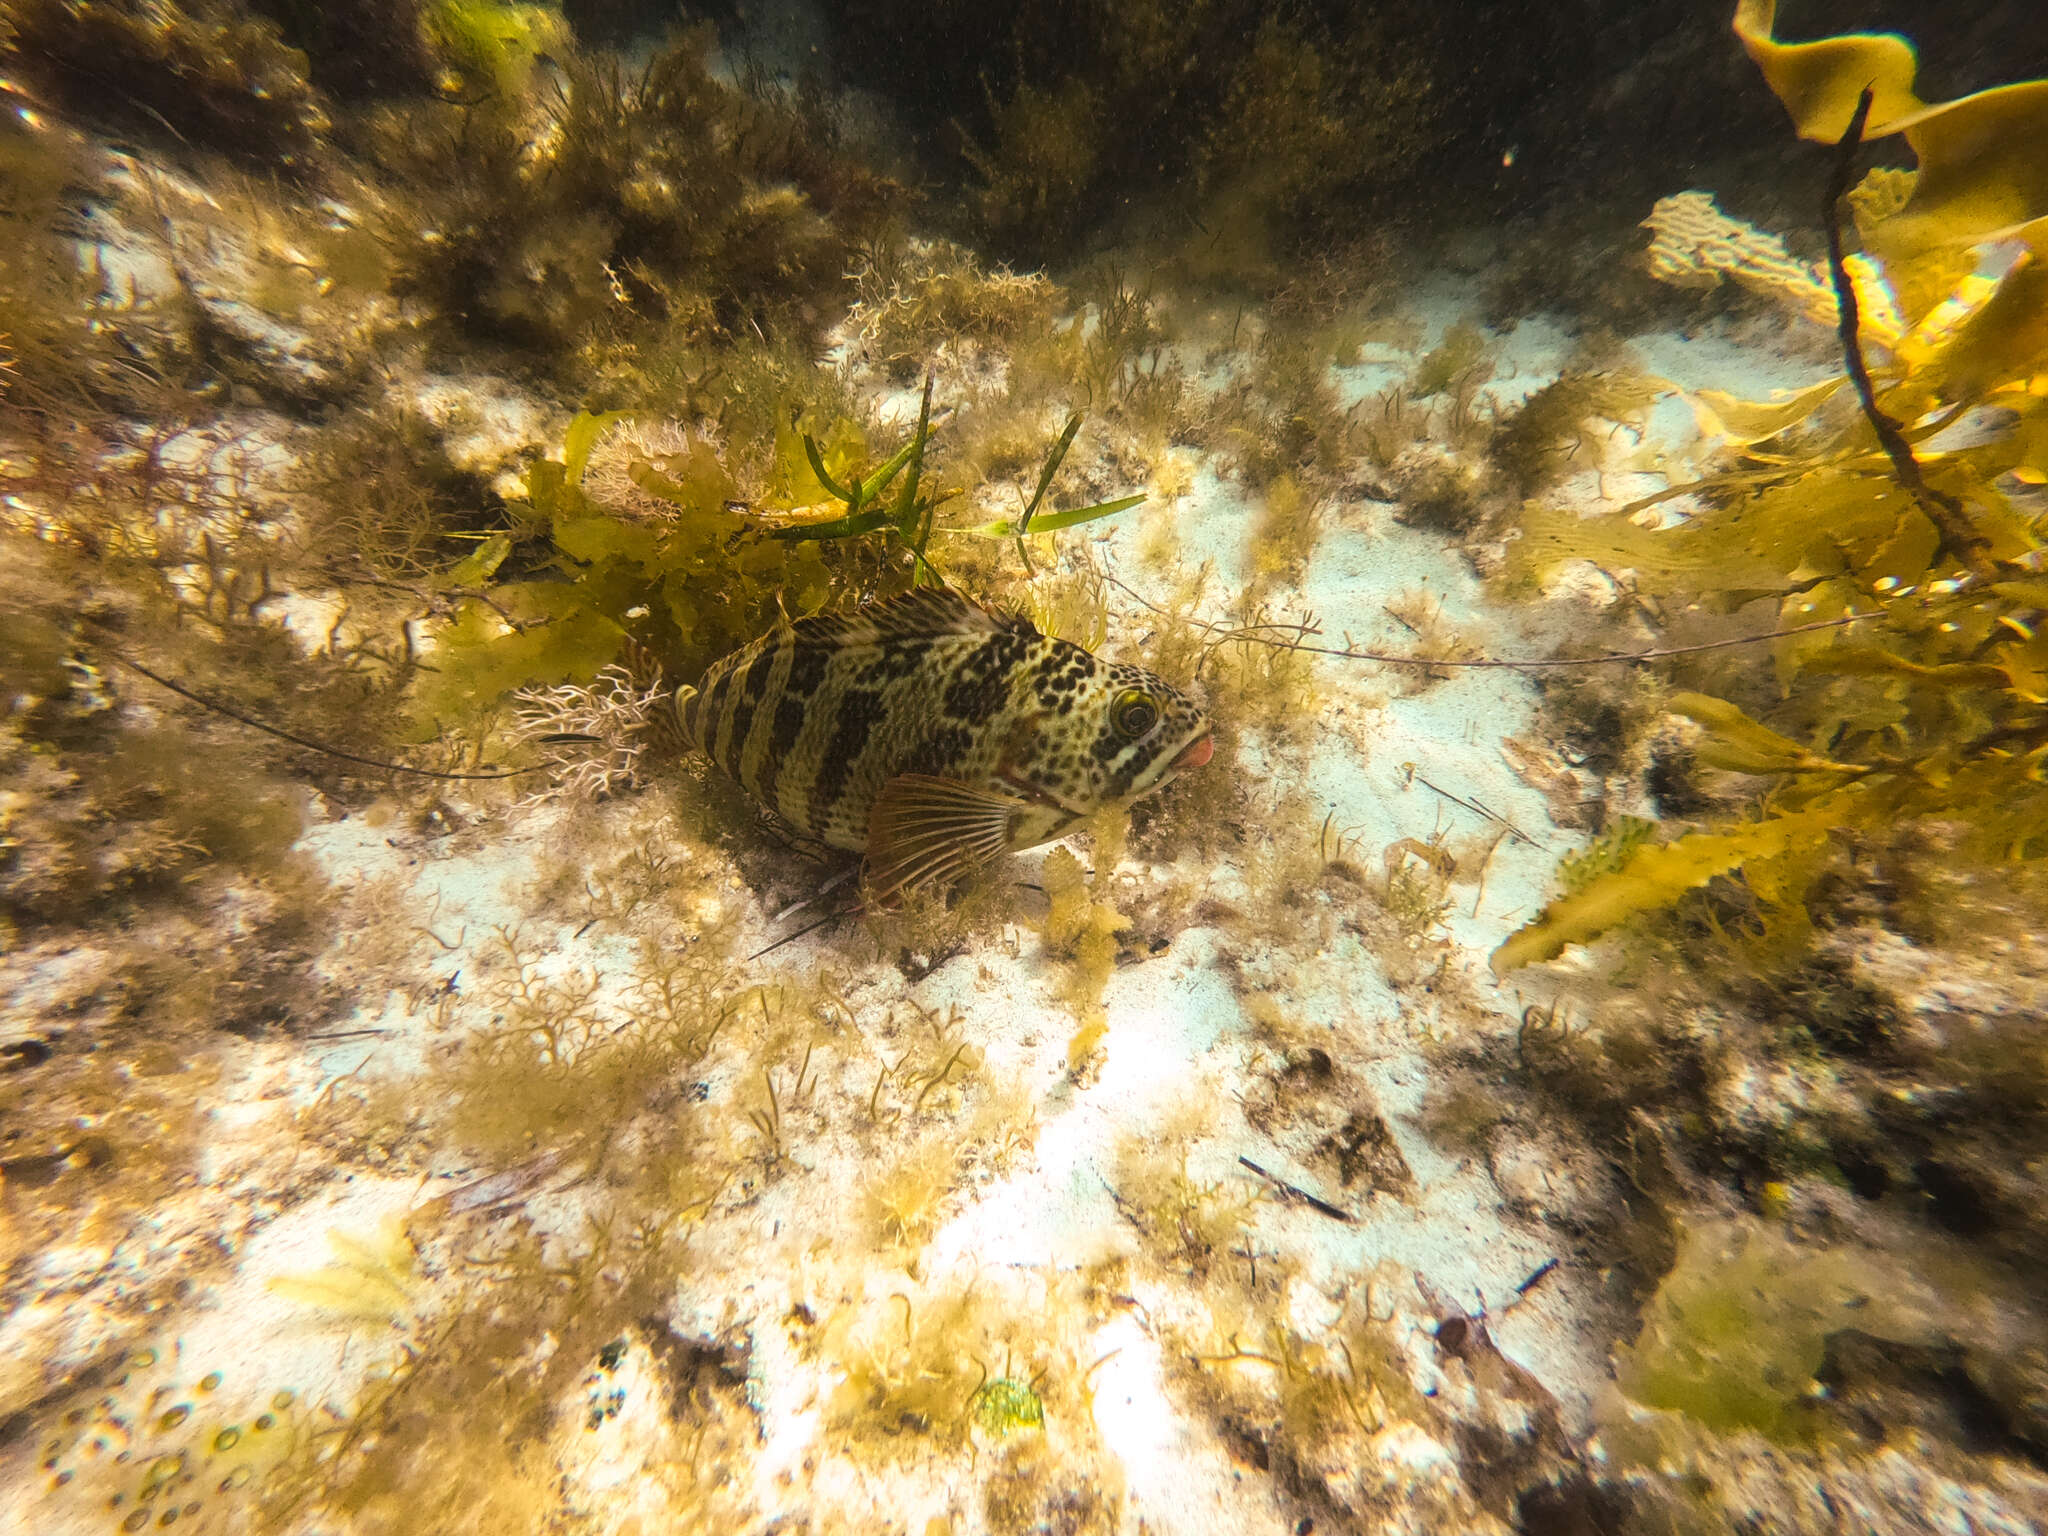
(927, 830)
(922, 614)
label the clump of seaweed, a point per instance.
(365, 49)
(1925, 704)
(464, 1426)
(1317, 1400)
(77, 345)
(936, 1369)
(219, 75)
(1439, 489)
(1421, 613)
(1737, 1331)
(1301, 115)
(594, 734)
(570, 1058)
(913, 297)
(1753, 1331)
(720, 561)
(1606, 853)
(610, 209)
(1281, 414)
(1459, 357)
(1189, 1222)
(1558, 427)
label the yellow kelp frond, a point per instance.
(1819, 82)
(2002, 340)
(1694, 245)
(1928, 710)
(1983, 173)
(1983, 157)
(1742, 422)
(1814, 526)
(1741, 745)
(1655, 877)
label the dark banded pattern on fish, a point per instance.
(931, 734)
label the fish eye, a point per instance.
(1135, 714)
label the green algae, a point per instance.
(1737, 1330)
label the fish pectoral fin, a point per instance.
(926, 829)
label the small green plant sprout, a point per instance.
(1003, 1406)
(1028, 521)
(1418, 876)
(1606, 853)
(907, 517)
(767, 1119)
(1337, 848)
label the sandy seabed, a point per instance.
(1220, 1053)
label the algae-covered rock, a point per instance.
(209, 69)
(1775, 1379)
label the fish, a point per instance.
(932, 735)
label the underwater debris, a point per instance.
(1296, 1192)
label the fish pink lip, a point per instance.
(1196, 752)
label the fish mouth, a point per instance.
(1164, 770)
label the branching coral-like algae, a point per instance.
(1935, 709)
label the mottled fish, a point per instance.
(932, 735)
